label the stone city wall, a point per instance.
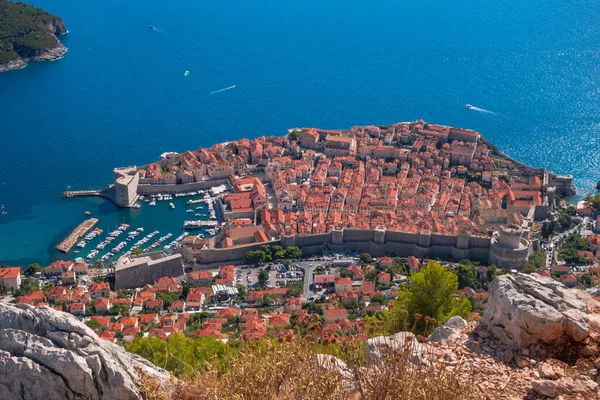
(376, 242)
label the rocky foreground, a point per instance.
(47, 354)
(536, 339)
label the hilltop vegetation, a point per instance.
(26, 32)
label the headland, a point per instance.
(28, 34)
(410, 188)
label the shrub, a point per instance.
(290, 370)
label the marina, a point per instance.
(66, 245)
(158, 223)
(199, 224)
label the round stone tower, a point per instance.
(510, 249)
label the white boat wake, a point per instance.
(483, 110)
(224, 89)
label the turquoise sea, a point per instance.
(119, 97)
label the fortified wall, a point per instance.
(377, 242)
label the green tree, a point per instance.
(492, 272)
(313, 308)
(585, 280)
(263, 277)
(120, 309)
(467, 275)
(137, 251)
(576, 242)
(529, 268)
(505, 202)
(295, 134)
(350, 304)
(594, 200)
(378, 299)
(548, 228)
(255, 257)
(33, 268)
(400, 267)
(431, 292)
(366, 258)
(242, 292)
(535, 261)
(295, 289)
(167, 297)
(293, 252)
(265, 248)
(93, 324)
(278, 252)
(28, 285)
(565, 221)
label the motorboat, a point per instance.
(469, 106)
(172, 206)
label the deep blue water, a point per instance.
(119, 96)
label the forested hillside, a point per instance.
(26, 31)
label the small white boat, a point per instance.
(152, 203)
(137, 205)
(172, 206)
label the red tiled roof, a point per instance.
(10, 272)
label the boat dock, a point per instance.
(66, 245)
(108, 193)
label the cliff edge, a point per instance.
(48, 354)
(28, 34)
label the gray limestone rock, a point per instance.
(379, 347)
(523, 309)
(450, 331)
(47, 354)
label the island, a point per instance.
(404, 189)
(28, 34)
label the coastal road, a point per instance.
(554, 242)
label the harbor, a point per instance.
(66, 245)
(156, 222)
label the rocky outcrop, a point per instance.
(523, 309)
(450, 332)
(14, 64)
(380, 347)
(47, 354)
(57, 26)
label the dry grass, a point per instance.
(290, 370)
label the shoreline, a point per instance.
(53, 54)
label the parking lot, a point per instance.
(279, 275)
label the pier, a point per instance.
(66, 245)
(108, 193)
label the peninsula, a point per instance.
(405, 189)
(28, 34)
